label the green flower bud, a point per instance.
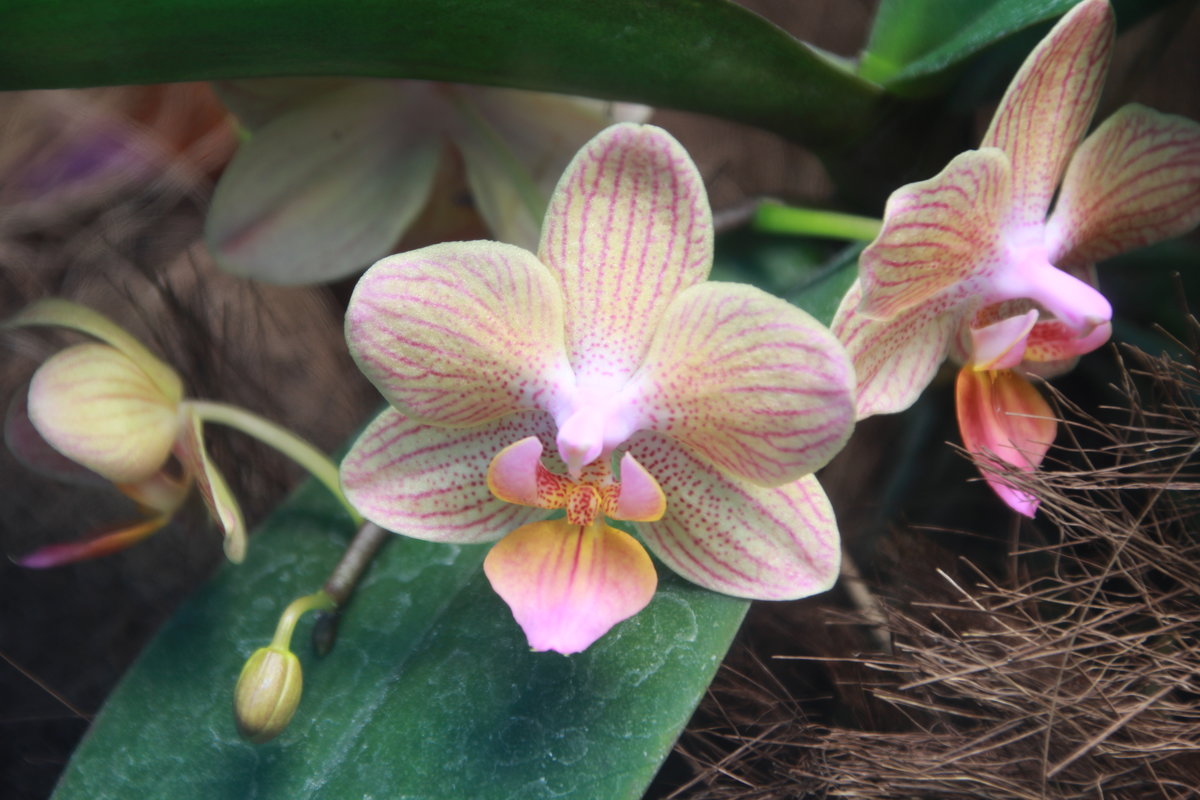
(267, 693)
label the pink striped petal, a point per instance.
(734, 537)
(567, 585)
(895, 359)
(461, 333)
(98, 408)
(1049, 104)
(35, 453)
(222, 505)
(1133, 182)
(937, 234)
(321, 192)
(1001, 345)
(102, 543)
(750, 382)
(430, 482)
(640, 497)
(628, 228)
(1001, 415)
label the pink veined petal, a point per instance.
(567, 585)
(895, 359)
(222, 505)
(734, 537)
(461, 333)
(61, 313)
(430, 482)
(750, 382)
(35, 453)
(628, 228)
(1133, 182)
(1049, 104)
(938, 235)
(102, 543)
(640, 498)
(516, 145)
(1001, 415)
(98, 408)
(1001, 345)
(1051, 341)
(321, 192)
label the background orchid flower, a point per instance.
(336, 170)
(968, 263)
(516, 381)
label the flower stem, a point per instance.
(280, 438)
(342, 581)
(296, 609)
(773, 217)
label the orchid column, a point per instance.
(518, 382)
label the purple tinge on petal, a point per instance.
(567, 585)
(100, 544)
(628, 228)
(1001, 345)
(734, 537)
(640, 497)
(431, 483)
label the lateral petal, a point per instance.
(1001, 345)
(567, 585)
(734, 537)
(894, 359)
(322, 191)
(628, 228)
(749, 381)
(97, 407)
(1048, 105)
(222, 505)
(938, 235)
(461, 333)
(429, 482)
(103, 543)
(1001, 415)
(1133, 182)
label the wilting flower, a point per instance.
(968, 263)
(113, 408)
(336, 170)
(517, 381)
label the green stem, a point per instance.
(292, 614)
(774, 217)
(280, 438)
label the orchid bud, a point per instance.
(267, 693)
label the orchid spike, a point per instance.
(110, 410)
(337, 170)
(969, 265)
(518, 382)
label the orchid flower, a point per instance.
(336, 170)
(968, 264)
(113, 410)
(517, 383)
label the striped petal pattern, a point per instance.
(210, 483)
(1048, 105)
(430, 482)
(461, 333)
(628, 228)
(1133, 182)
(734, 537)
(748, 381)
(97, 407)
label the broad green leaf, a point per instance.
(430, 692)
(710, 56)
(915, 44)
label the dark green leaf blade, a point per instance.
(431, 691)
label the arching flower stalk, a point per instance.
(603, 377)
(968, 264)
(112, 408)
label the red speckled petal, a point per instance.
(567, 585)
(460, 333)
(752, 383)
(431, 483)
(628, 228)
(734, 537)
(1049, 103)
(894, 360)
(1133, 182)
(1002, 415)
(941, 234)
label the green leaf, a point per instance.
(430, 692)
(710, 56)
